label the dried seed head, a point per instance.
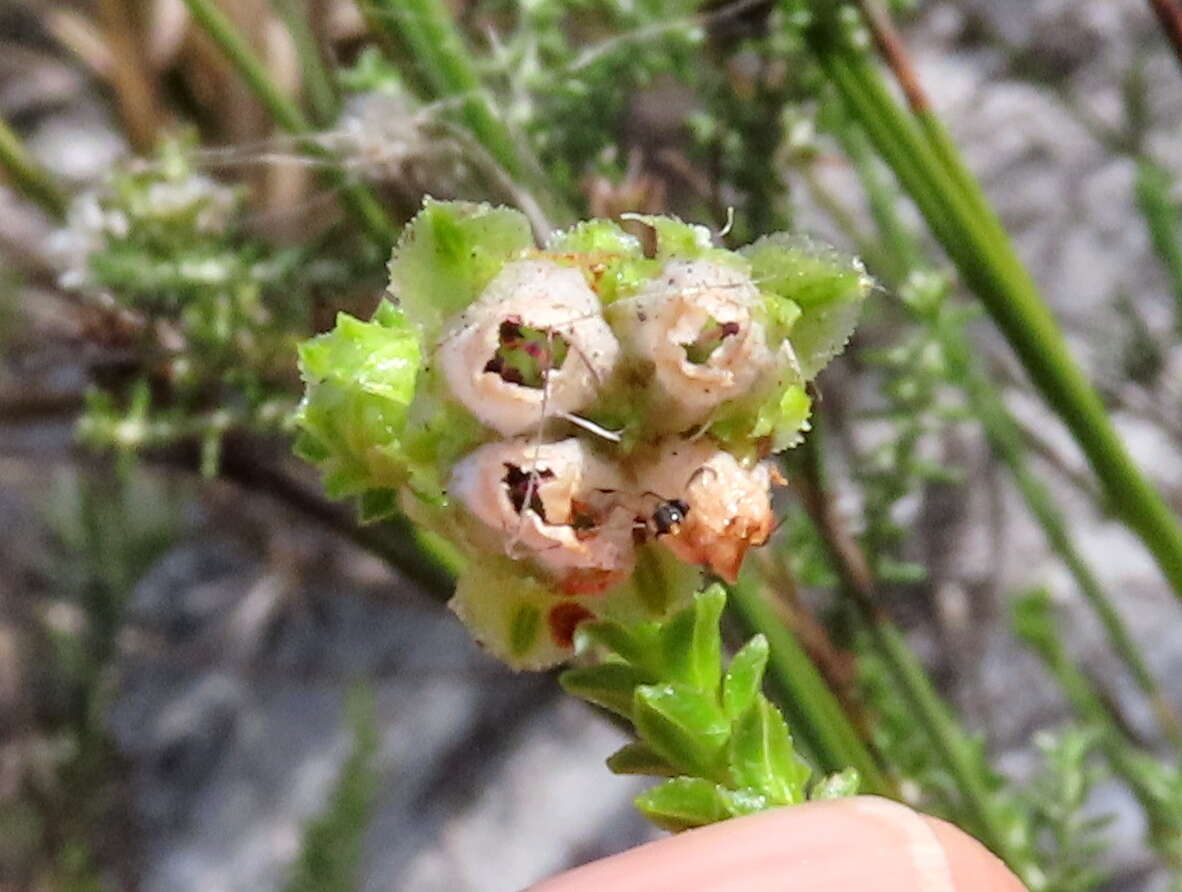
(696, 323)
(556, 503)
(728, 506)
(534, 345)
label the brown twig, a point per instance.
(1169, 15)
(893, 51)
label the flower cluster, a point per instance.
(590, 422)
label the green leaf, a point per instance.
(360, 379)
(378, 504)
(610, 685)
(839, 785)
(447, 255)
(636, 643)
(828, 287)
(638, 758)
(691, 642)
(762, 755)
(683, 726)
(684, 802)
(744, 677)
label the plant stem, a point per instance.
(319, 84)
(945, 736)
(930, 170)
(27, 175)
(442, 63)
(1161, 218)
(1152, 788)
(813, 713)
(358, 200)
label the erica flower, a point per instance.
(589, 425)
(532, 346)
(554, 503)
(727, 507)
(696, 322)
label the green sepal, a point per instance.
(776, 416)
(610, 685)
(684, 802)
(639, 758)
(524, 626)
(839, 785)
(683, 726)
(678, 240)
(691, 643)
(828, 287)
(763, 758)
(611, 259)
(309, 448)
(447, 255)
(744, 676)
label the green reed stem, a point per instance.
(930, 170)
(27, 175)
(357, 199)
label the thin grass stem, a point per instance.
(27, 175)
(357, 199)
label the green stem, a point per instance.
(358, 200)
(813, 713)
(27, 175)
(1161, 218)
(932, 173)
(443, 64)
(318, 81)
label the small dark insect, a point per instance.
(666, 520)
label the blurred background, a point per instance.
(210, 678)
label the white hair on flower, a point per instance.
(532, 346)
